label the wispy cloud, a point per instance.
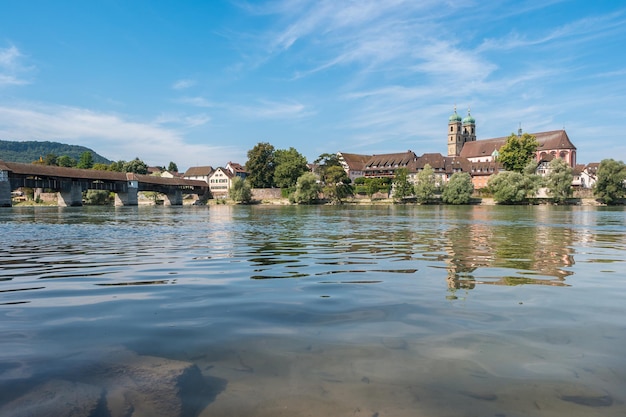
(12, 69)
(183, 84)
(195, 101)
(580, 30)
(112, 135)
(266, 109)
(182, 120)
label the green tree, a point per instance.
(137, 166)
(307, 189)
(261, 165)
(97, 197)
(425, 184)
(85, 161)
(100, 166)
(66, 161)
(402, 188)
(336, 184)
(518, 151)
(610, 186)
(50, 159)
(325, 161)
(117, 166)
(559, 180)
(372, 186)
(507, 188)
(531, 181)
(289, 166)
(510, 187)
(459, 189)
(240, 191)
(172, 167)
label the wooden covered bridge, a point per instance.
(69, 184)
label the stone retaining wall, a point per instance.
(266, 193)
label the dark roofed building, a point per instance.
(237, 169)
(201, 173)
(443, 166)
(386, 165)
(353, 164)
(482, 171)
(589, 175)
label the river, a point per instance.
(326, 311)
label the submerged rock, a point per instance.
(58, 398)
(149, 386)
(118, 384)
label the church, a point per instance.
(462, 142)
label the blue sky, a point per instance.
(202, 82)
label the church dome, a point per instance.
(455, 117)
(469, 120)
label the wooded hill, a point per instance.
(27, 152)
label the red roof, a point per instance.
(556, 139)
(201, 171)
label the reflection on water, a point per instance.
(385, 310)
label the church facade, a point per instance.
(462, 142)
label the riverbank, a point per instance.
(482, 201)
(485, 201)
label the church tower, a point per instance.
(469, 128)
(455, 136)
(460, 131)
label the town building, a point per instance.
(200, 173)
(354, 164)
(237, 169)
(220, 182)
(386, 165)
(587, 176)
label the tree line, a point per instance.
(520, 182)
(87, 161)
(29, 151)
(288, 169)
(517, 183)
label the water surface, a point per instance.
(318, 311)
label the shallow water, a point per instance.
(318, 311)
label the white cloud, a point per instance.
(182, 120)
(195, 101)
(183, 84)
(9, 57)
(113, 136)
(266, 109)
(12, 71)
(578, 31)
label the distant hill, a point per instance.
(27, 152)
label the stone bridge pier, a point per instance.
(70, 195)
(128, 197)
(5, 189)
(173, 198)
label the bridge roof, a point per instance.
(63, 172)
(93, 174)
